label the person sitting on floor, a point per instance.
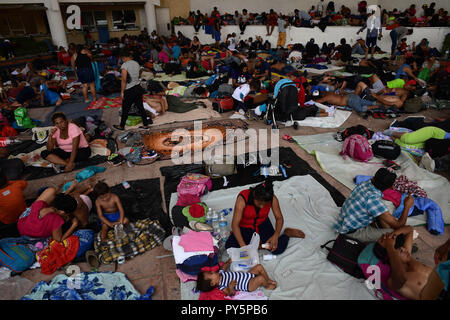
(66, 144)
(251, 214)
(364, 216)
(42, 220)
(47, 97)
(109, 209)
(408, 276)
(230, 282)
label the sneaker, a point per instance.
(427, 162)
(148, 154)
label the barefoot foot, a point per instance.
(294, 233)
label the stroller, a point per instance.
(281, 107)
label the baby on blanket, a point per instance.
(228, 282)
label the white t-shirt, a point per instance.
(241, 92)
(232, 45)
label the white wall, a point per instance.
(332, 34)
(283, 6)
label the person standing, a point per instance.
(282, 24)
(82, 64)
(320, 8)
(131, 90)
(396, 34)
(374, 31)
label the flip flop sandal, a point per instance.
(376, 115)
(198, 226)
(383, 115)
(288, 138)
(92, 259)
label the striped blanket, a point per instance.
(141, 236)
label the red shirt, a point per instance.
(251, 218)
(64, 56)
(36, 227)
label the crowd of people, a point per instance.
(325, 13)
(252, 73)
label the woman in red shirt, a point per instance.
(63, 56)
(251, 214)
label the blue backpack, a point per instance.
(15, 256)
(194, 264)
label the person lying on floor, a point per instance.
(230, 282)
(66, 144)
(42, 220)
(408, 276)
(364, 216)
(251, 214)
(394, 97)
(26, 95)
(373, 84)
(156, 105)
(352, 100)
(417, 138)
(109, 209)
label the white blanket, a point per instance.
(326, 122)
(326, 150)
(302, 271)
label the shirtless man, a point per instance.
(408, 276)
(396, 100)
(351, 100)
(84, 203)
(109, 209)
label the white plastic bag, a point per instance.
(245, 258)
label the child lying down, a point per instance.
(230, 282)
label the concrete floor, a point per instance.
(148, 269)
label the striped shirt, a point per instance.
(361, 208)
(242, 279)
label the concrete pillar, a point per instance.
(150, 15)
(142, 19)
(55, 21)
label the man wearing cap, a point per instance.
(364, 216)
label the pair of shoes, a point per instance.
(427, 162)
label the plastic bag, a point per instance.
(245, 258)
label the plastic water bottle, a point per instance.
(223, 227)
(268, 257)
(215, 220)
(118, 231)
(226, 212)
(209, 216)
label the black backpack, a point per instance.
(345, 253)
(358, 129)
(287, 100)
(386, 149)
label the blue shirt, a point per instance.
(400, 71)
(176, 51)
(361, 208)
(49, 96)
(263, 67)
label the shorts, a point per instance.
(111, 217)
(371, 42)
(217, 36)
(358, 104)
(85, 75)
(368, 234)
(82, 154)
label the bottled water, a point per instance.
(215, 220)
(226, 212)
(209, 216)
(223, 224)
(118, 231)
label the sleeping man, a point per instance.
(408, 276)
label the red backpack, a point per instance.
(357, 147)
